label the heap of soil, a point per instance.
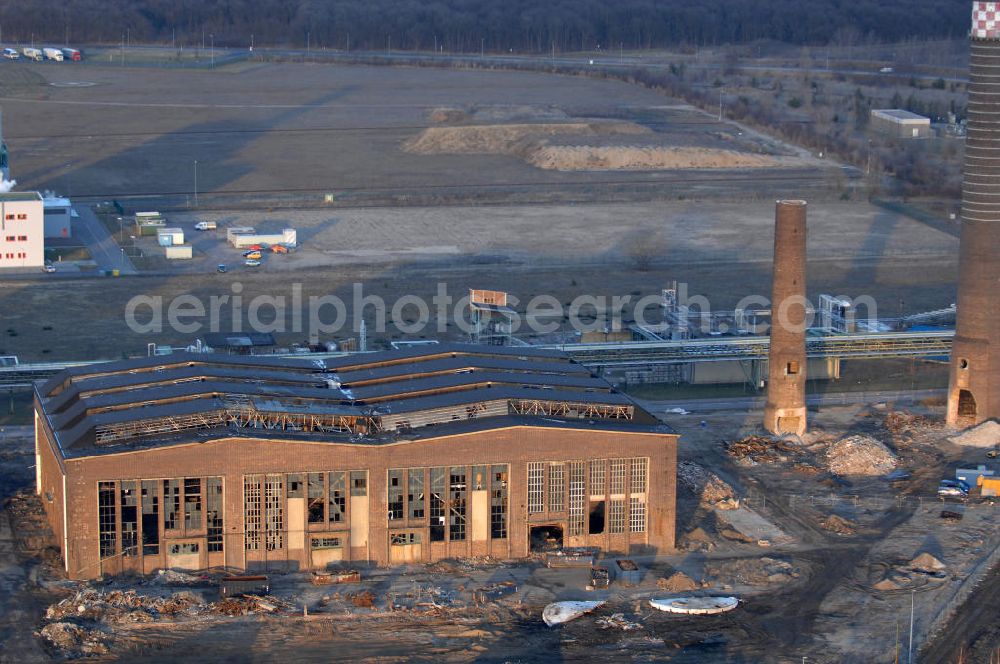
(860, 455)
(986, 434)
(678, 582)
(642, 158)
(837, 524)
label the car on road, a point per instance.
(11, 54)
(251, 262)
(220, 268)
(49, 268)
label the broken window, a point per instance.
(437, 504)
(213, 513)
(106, 519)
(337, 507)
(326, 543)
(192, 504)
(404, 539)
(480, 475)
(456, 504)
(498, 502)
(295, 485)
(359, 483)
(171, 504)
(557, 487)
(183, 549)
(150, 518)
(252, 512)
(577, 479)
(317, 498)
(274, 514)
(536, 488)
(415, 493)
(616, 516)
(637, 515)
(395, 494)
(130, 519)
(595, 524)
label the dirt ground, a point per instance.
(300, 130)
(807, 588)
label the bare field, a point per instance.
(283, 130)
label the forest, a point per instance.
(521, 26)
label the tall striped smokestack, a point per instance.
(785, 409)
(974, 381)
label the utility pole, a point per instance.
(196, 183)
(553, 53)
(482, 46)
(909, 656)
(621, 53)
(173, 39)
(720, 104)
(123, 50)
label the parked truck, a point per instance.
(53, 53)
(72, 54)
(205, 226)
(32, 53)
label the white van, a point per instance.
(205, 226)
(11, 54)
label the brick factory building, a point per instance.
(199, 461)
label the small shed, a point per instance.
(179, 252)
(169, 237)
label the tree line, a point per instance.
(470, 25)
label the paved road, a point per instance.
(103, 247)
(757, 402)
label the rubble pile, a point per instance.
(169, 577)
(709, 487)
(678, 582)
(926, 563)
(752, 450)
(72, 641)
(697, 540)
(121, 606)
(752, 571)
(838, 524)
(905, 425)
(986, 434)
(617, 621)
(860, 455)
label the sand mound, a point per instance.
(986, 434)
(448, 115)
(601, 158)
(517, 139)
(860, 455)
(925, 562)
(678, 582)
(708, 486)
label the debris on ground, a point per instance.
(121, 606)
(752, 450)
(363, 599)
(72, 641)
(838, 524)
(169, 577)
(678, 582)
(331, 578)
(860, 455)
(697, 540)
(986, 434)
(927, 563)
(706, 485)
(752, 571)
(904, 426)
(617, 621)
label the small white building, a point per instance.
(169, 237)
(900, 123)
(58, 214)
(22, 230)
